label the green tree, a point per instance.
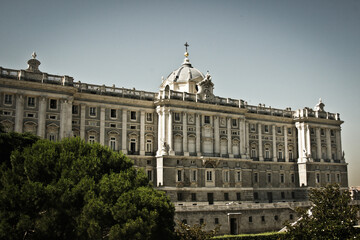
(195, 232)
(330, 217)
(74, 190)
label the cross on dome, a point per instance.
(186, 47)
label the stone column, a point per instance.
(69, 132)
(308, 140)
(247, 140)
(82, 121)
(160, 139)
(42, 117)
(102, 125)
(124, 131)
(261, 158)
(338, 144)
(328, 144)
(185, 140)
(229, 138)
(19, 113)
(286, 145)
(63, 116)
(301, 141)
(242, 137)
(198, 149)
(142, 133)
(216, 136)
(170, 132)
(274, 143)
(318, 144)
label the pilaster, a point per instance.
(242, 137)
(318, 144)
(286, 144)
(102, 125)
(170, 132)
(217, 135)
(261, 158)
(19, 113)
(124, 131)
(274, 143)
(82, 121)
(198, 149)
(185, 140)
(42, 117)
(142, 133)
(328, 145)
(229, 138)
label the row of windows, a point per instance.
(327, 178)
(269, 178)
(31, 101)
(262, 218)
(266, 129)
(113, 113)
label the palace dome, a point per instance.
(183, 79)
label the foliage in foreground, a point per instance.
(74, 190)
(195, 232)
(331, 216)
(259, 236)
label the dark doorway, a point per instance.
(270, 197)
(233, 226)
(211, 198)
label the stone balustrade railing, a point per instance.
(308, 112)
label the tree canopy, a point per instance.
(330, 217)
(74, 190)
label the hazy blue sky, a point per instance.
(281, 53)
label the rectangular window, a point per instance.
(149, 117)
(92, 111)
(269, 177)
(53, 104)
(31, 102)
(113, 125)
(91, 139)
(8, 99)
(238, 196)
(179, 196)
(256, 177)
(250, 219)
(52, 137)
(193, 196)
(252, 128)
(332, 133)
(318, 178)
(234, 122)
(322, 132)
(282, 178)
(256, 195)
(179, 175)
(292, 178)
(113, 143)
(132, 115)
(216, 221)
(312, 131)
(201, 221)
(293, 195)
(263, 218)
(282, 195)
(289, 131)
(280, 153)
(149, 175)
(149, 147)
(279, 130)
(208, 175)
(177, 117)
(338, 177)
(226, 176)
(113, 113)
(266, 128)
(226, 196)
(238, 176)
(30, 115)
(75, 109)
(328, 177)
(206, 119)
(194, 175)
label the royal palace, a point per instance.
(220, 160)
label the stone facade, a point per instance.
(220, 160)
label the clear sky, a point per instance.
(280, 53)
